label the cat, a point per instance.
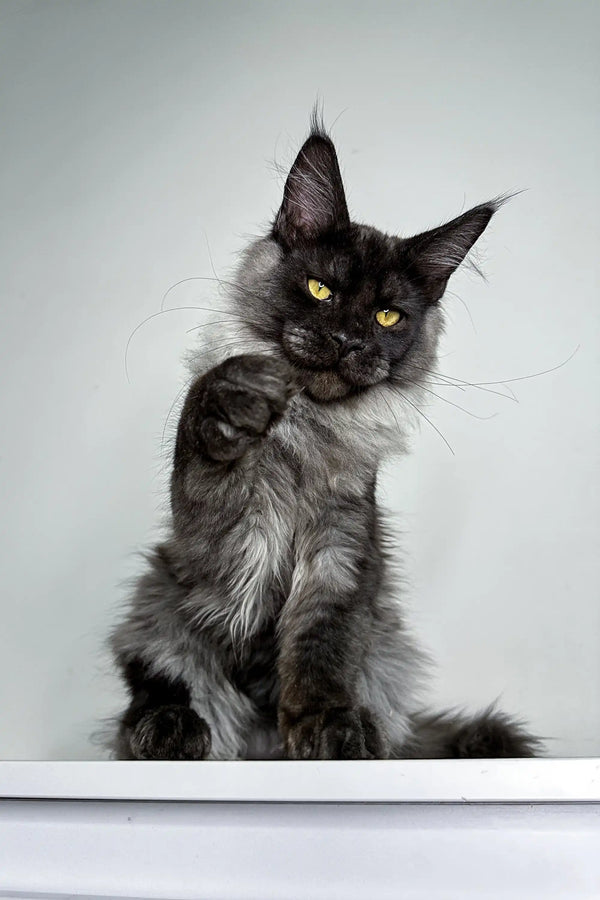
(267, 624)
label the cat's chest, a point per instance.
(290, 492)
(292, 489)
(258, 548)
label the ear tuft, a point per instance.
(314, 201)
(317, 123)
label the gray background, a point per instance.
(137, 134)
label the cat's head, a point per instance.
(349, 306)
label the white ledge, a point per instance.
(397, 781)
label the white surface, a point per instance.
(414, 781)
(309, 852)
(131, 130)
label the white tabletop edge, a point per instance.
(380, 781)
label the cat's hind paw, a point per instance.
(170, 732)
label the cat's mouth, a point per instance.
(328, 370)
(324, 386)
(336, 378)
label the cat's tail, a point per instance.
(456, 735)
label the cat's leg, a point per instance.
(226, 414)
(393, 672)
(197, 715)
(322, 632)
(174, 650)
(159, 722)
(489, 735)
(183, 704)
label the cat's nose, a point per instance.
(346, 344)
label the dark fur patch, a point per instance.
(149, 691)
(159, 723)
(491, 734)
(170, 732)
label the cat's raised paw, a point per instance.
(170, 732)
(339, 733)
(241, 399)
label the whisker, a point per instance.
(467, 310)
(186, 281)
(206, 324)
(459, 387)
(214, 348)
(485, 385)
(533, 375)
(457, 405)
(421, 413)
(171, 408)
(220, 281)
(212, 265)
(233, 284)
(389, 406)
(250, 343)
(155, 315)
(461, 384)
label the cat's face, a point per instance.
(349, 312)
(349, 306)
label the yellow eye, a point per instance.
(387, 317)
(319, 290)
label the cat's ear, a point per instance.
(434, 255)
(314, 201)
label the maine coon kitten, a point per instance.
(267, 623)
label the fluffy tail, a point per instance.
(489, 735)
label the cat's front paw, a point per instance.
(170, 732)
(242, 397)
(338, 733)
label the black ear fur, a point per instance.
(314, 201)
(436, 254)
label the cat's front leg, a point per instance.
(324, 628)
(231, 408)
(225, 420)
(159, 723)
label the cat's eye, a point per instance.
(387, 317)
(319, 289)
